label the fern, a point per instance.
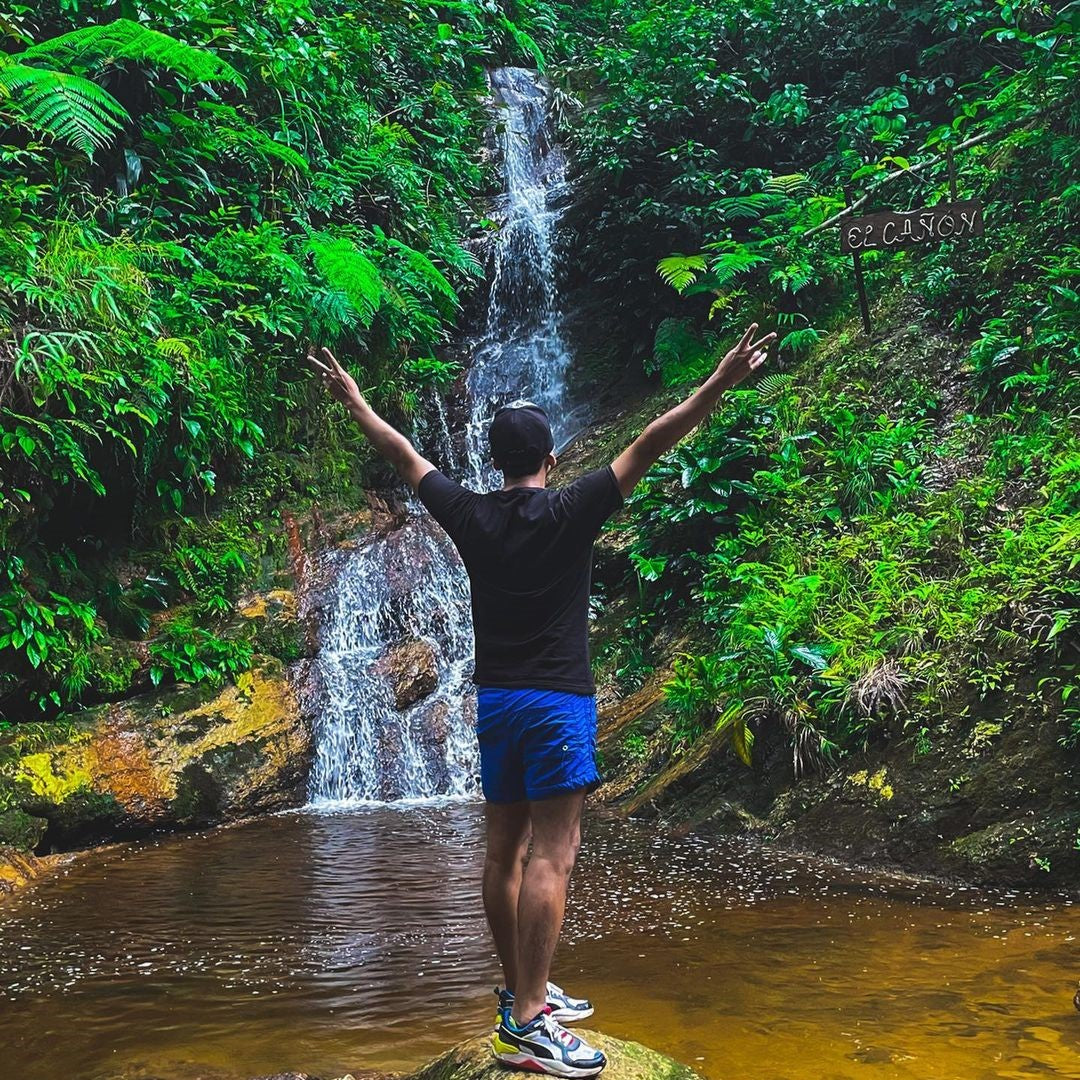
(240, 136)
(64, 106)
(429, 276)
(791, 185)
(127, 40)
(725, 267)
(772, 386)
(678, 271)
(349, 271)
(752, 206)
(68, 106)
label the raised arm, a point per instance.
(389, 442)
(664, 432)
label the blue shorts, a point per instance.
(535, 743)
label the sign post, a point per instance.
(889, 229)
(860, 283)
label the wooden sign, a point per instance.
(888, 229)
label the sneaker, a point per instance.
(564, 1008)
(506, 1003)
(544, 1045)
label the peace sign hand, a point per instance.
(334, 377)
(745, 357)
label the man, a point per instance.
(528, 552)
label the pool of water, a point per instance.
(352, 941)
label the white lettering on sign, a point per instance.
(898, 229)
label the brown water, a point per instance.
(349, 942)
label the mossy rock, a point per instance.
(20, 830)
(473, 1060)
(180, 757)
(272, 622)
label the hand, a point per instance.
(335, 378)
(745, 357)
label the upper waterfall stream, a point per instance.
(409, 585)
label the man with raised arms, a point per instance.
(527, 549)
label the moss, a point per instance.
(115, 665)
(272, 624)
(53, 779)
(21, 830)
(878, 783)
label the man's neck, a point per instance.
(537, 480)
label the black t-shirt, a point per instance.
(528, 553)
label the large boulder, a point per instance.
(181, 757)
(473, 1060)
(411, 668)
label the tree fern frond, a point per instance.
(64, 106)
(430, 277)
(752, 206)
(678, 271)
(726, 266)
(128, 40)
(350, 271)
(770, 387)
(791, 185)
(240, 135)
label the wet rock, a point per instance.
(411, 668)
(182, 757)
(274, 624)
(19, 868)
(472, 1060)
(20, 830)
(435, 724)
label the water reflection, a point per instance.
(352, 941)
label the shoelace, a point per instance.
(555, 1031)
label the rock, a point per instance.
(274, 623)
(18, 868)
(181, 757)
(411, 669)
(20, 830)
(473, 1060)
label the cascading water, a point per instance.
(409, 585)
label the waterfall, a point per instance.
(409, 585)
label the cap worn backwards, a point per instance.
(520, 436)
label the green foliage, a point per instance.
(52, 95)
(245, 182)
(877, 540)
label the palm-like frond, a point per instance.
(678, 271)
(350, 271)
(125, 39)
(65, 106)
(428, 276)
(791, 185)
(751, 206)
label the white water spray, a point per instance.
(410, 583)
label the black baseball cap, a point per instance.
(520, 437)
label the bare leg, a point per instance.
(507, 847)
(556, 827)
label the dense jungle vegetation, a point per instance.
(878, 537)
